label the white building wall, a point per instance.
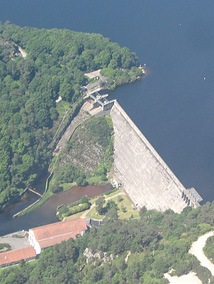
(33, 242)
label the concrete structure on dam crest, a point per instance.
(144, 175)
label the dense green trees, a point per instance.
(99, 204)
(154, 244)
(120, 76)
(29, 86)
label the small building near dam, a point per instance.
(55, 233)
(43, 237)
(15, 256)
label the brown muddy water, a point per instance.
(47, 212)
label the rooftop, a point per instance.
(55, 233)
(16, 255)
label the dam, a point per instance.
(144, 175)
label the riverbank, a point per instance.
(118, 198)
(45, 196)
(46, 213)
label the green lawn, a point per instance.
(124, 204)
(125, 207)
(75, 216)
(127, 204)
(115, 191)
(96, 180)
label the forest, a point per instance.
(134, 251)
(54, 66)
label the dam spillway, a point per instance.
(144, 175)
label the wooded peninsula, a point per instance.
(36, 68)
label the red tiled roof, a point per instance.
(55, 240)
(51, 234)
(16, 255)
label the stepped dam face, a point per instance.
(144, 175)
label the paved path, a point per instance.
(197, 251)
(96, 86)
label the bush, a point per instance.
(110, 191)
(5, 247)
(56, 189)
(73, 208)
(77, 209)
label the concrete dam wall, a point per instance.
(144, 175)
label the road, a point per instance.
(197, 251)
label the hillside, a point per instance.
(88, 154)
(36, 68)
(124, 251)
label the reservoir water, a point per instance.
(173, 105)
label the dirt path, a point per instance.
(197, 251)
(190, 278)
(23, 53)
(87, 211)
(127, 257)
(93, 74)
(113, 196)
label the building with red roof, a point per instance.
(15, 256)
(51, 234)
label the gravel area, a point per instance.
(190, 278)
(16, 240)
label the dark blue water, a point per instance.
(173, 105)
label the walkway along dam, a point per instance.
(144, 175)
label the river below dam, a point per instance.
(45, 214)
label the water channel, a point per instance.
(47, 212)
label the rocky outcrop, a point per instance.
(92, 256)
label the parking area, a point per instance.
(16, 240)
